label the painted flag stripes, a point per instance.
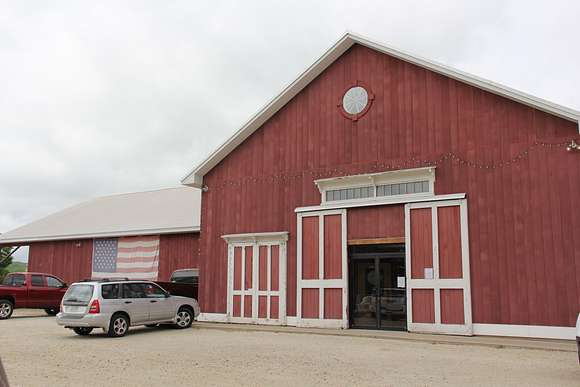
(131, 257)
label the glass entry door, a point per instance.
(377, 291)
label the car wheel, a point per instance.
(184, 318)
(6, 309)
(51, 312)
(83, 331)
(118, 326)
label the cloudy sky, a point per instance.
(116, 96)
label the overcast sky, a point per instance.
(108, 97)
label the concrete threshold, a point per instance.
(482, 341)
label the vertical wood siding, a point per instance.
(376, 222)
(525, 253)
(449, 232)
(72, 260)
(452, 311)
(332, 247)
(69, 260)
(177, 251)
(421, 242)
(310, 252)
(423, 305)
(332, 303)
(310, 303)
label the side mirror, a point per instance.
(167, 295)
(64, 285)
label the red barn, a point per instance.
(166, 220)
(381, 190)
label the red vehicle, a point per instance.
(31, 290)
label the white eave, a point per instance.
(195, 177)
(164, 211)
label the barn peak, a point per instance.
(195, 176)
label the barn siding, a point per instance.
(525, 254)
(177, 251)
(72, 260)
(69, 260)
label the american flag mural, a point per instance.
(131, 257)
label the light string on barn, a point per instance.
(412, 162)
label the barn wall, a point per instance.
(72, 260)
(525, 253)
(177, 251)
(376, 222)
(69, 260)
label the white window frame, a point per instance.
(255, 241)
(376, 179)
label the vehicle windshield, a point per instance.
(81, 293)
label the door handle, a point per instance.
(152, 301)
(128, 302)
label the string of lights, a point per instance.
(413, 162)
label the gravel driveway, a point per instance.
(37, 352)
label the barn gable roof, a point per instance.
(195, 177)
(164, 211)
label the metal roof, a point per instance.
(195, 177)
(164, 211)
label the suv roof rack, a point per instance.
(112, 279)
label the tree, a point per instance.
(4, 261)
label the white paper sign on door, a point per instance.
(428, 273)
(400, 282)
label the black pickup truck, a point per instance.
(183, 282)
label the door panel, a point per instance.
(422, 242)
(449, 232)
(321, 265)
(423, 306)
(439, 298)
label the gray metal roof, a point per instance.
(164, 211)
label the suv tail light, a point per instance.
(95, 307)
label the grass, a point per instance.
(17, 266)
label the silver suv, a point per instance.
(115, 305)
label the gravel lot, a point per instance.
(37, 352)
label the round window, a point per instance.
(355, 100)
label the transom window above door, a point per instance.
(382, 185)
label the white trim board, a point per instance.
(195, 176)
(107, 234)
(381, 201)
(533, 331)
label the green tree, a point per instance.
(4, 261)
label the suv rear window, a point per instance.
(81, 293)
(134, 290)
(110, 292)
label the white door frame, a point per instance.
(438, 283)
(255, 241)
(320, 283)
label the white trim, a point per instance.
(533, 331)
(380, 201)
(107, 234)
(321, 284)
(437, 283)
(213, 317)
(262, 237)
(195, 176)
(374, 180)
